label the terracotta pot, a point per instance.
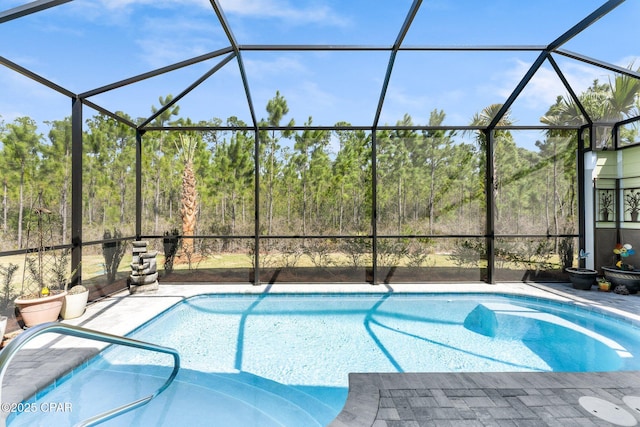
(40, 310)
(74, 304)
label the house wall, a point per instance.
(618, 171)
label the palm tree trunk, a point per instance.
(189, 207)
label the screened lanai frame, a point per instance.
(546, 54)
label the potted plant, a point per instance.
(41, 298)
(76, 298)
(604, 285)
(623, 274)
(75, 302)
(632, 204)
(582, 278)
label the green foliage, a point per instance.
(418, 252)
(530, 254)
(46, 268)
(319, 252)
(468, 253)
(60, 268)
(7, 293)
(315, 182)
(391, 251)
(358, 250)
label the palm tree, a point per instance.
(622, 101)
(609, 103)
(484, 118)
(189, 198)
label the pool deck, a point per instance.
(379, 399)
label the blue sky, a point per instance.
(86, 44)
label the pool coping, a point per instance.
(122, 313)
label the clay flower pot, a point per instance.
(35, 311)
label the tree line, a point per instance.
(311, 182)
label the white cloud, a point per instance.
(633, 60)
(311, 93)
(122, 4)
(545, 86)
(283, 10)
(24, 97)
(188, 37)
(283, 65)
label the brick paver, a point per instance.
(554, 404)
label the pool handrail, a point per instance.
(6, 355)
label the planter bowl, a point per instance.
(629, 278)
(74, 305)
(35, 311)
(582, 278)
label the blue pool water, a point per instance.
(283, 360)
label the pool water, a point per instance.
(284, 360)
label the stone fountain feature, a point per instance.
(144, 270)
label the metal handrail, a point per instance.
(17, 343)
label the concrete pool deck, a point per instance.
(375, 399)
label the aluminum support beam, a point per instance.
(491, 205)
(29, 8)
(374, 207)
(138, 171)
(76, 191)
(256, 208)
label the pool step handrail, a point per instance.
(6, 355)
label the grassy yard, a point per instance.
(93, 264)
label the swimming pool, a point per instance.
(283, 359)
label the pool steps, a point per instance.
(221, 397)
(8, 353)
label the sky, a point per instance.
(86, 44)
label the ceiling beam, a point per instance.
(191, 87)
(415, 6)
(234, 44)
(586, 22)
(365, 48)
(607, 66)
(516, 92)
(155, 73)
(29, 8)
(569, 89)
(35, 77)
